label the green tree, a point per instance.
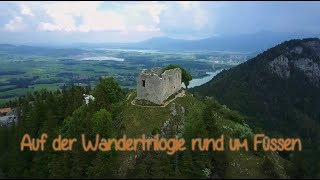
(103, 166)
(108, 92)
(186, 77)
(59, 166)
(102, 124)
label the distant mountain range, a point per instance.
(241, 43)
(248, 43)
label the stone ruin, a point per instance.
(156, 86)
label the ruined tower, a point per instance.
(156, 86)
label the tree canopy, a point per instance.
(186, 77)
(108, 92)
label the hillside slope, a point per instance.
(188, 117)
(112, 115)
(278, 90)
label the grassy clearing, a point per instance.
(142, 120)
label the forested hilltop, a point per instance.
(111, 114)
(279, 91)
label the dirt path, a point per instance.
(129, 96)
(181, 94)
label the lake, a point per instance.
(200, 81)
(102, 58)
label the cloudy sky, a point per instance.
(62, 22)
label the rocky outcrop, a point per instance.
(309, 68)
(297, 50)
(314, 46)
(280, 66)
(304, 57)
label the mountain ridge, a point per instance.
(279, 91)
(244, 43)
(249, 43)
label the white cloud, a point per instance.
(102, 21)
(143, 16)
(14, 24)
(188, 5)
(64, 14)
(149, 18)
(186, 19)
(25, 10)
(154, 9)
(135, 16)
(200, 18)
(199, 15)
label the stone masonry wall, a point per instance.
(158, 87)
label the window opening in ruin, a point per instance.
(143, 83)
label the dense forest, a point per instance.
(63, 112)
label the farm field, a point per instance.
(26, 69)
